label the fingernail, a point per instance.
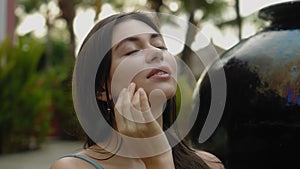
(131, 84)
(142, 91)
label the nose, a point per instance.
(154, 55)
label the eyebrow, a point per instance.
(134, 39)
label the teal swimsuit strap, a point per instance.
(96, 165)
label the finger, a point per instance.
(131, 89)
(123, 115)
(120, 121)
(144, 100)
(136, 101)
(136, 109)
(123, 106)
(145, 108)
(128, 96)
(126, 107)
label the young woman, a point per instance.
(135, 88)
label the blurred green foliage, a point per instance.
(35, 102)
(184, 93)
(60, 84)
(24, 110)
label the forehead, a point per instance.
(130, 28)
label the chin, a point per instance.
(168, 91)
(170, 94)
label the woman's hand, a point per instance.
(133, 114)
(135, 119)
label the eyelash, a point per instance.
(134, 51)
(131, 52)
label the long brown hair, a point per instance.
(184, 157)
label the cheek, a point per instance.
(122, 73)
(167, 87)
(139, 82)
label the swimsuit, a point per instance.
(90, 161)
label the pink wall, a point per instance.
(10, 18)
(7, 18)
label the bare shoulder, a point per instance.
(69, 163)
(211, 160)
(63, 163)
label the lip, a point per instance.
(165, 69)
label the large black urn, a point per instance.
(260, 126)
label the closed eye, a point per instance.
(137, 50)
(132, 52)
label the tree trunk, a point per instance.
(97, 7)
(48, 50)
(68, 13)
(190, 35)
(156, 4)
(238, 18)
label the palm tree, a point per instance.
(67, 8)
(238, 18)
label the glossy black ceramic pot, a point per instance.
(260, 125)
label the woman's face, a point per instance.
(139, 55)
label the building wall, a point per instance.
(3, 9)
(7, 18)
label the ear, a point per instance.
(101, 96)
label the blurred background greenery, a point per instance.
(36, 68)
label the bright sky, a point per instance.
(84, 21)
(249, 6)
